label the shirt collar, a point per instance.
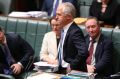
(97, 38)
(67, 26)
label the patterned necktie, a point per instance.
(60, 50)
(55, 7)
(88, 61)
(7, 53)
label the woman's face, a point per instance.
(55, 25)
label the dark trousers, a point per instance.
(1, 69)
(61, 70)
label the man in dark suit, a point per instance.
(48, 6)
(73, 44)
(101, 57)
(15, 54)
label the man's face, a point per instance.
(60, 16)
(92, 28)
(1, 37)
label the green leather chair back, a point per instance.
(116, 52)
(21, 27)
(3, 22)
(5, 6)
(84, 6)
(11, 25)
(107, 32)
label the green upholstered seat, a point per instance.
(116, 52)
(84, 6)
(5, 6)
(107, 32)
(22, 27)
(11, 25)
(3, 22)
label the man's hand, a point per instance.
(16, 68)
(53, 61)
(90, 68)
(68, 69)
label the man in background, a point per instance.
(15, 54)
(99, 59)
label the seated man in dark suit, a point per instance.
(99, 59)
(15, 54)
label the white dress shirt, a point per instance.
(95, 46)
(64, 64)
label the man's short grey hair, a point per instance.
(68, 8)
(92, 17)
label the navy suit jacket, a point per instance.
(20, 50)
(103, 56)
(74, 48)
(48, 6)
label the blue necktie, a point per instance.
(9, 59)
(60, 51)
(55, 8)
(8, 55)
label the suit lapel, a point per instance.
(99, 47)
(69, 31)
(87, 40)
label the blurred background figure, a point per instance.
(15, 54)
(50, 6)
(106, 11)
(51, 39)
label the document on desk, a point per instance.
(19, 14)
(41, 63)
(45, 67)
(43, 76)
(35, 14)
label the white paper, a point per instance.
(40, 14)
(19, 14)
(43, 76)
(41, 63)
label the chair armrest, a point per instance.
(3, 76)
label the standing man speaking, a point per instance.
(72, 49)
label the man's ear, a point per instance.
(68, 16)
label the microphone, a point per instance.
(30, 62)
(117, 75)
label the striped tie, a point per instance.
(60, 51)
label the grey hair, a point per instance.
(92, 17)
(68, 8)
